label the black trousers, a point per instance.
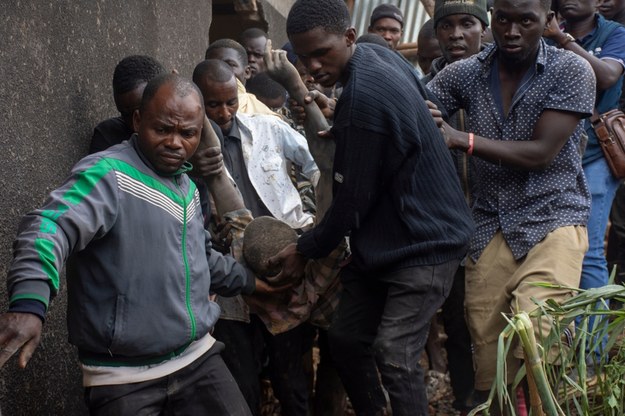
(247, 344)
(205, 387)
(382, 326)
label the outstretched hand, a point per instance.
(292, 262)
(279, 68)
(19, 331)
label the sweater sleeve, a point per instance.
(359, 175)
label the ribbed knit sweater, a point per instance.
(395, 189)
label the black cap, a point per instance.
(386, 10)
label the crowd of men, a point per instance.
(453, 187)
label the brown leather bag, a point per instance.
(610, 129)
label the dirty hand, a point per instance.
(279, 68)
(207, 162)
(19, 331)
(264, 288)
(292, 262)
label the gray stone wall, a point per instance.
(56, 64)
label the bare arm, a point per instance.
(550, 134)
(209, 163)
(607, 71)
(322, 149)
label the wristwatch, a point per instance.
(567, 38)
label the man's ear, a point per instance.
(350, 36)
(248, 72)
(136, 120)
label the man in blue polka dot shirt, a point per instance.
(525, 102)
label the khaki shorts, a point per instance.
(498, 284)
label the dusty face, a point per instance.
(169, 128)
(128, 102)
(389, 28)
(459, 36)
(324, 54)
(221, 101)
(517, 27)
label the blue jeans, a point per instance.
(382, 324)
(603, 187)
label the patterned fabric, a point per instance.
(315, 298)
(525, 205)
(267, 144)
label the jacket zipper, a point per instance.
(186, 263)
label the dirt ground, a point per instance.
(439, 392)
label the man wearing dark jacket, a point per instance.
(141, 270)
(396, 194)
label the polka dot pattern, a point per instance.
(525, 205)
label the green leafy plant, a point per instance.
(571, 381)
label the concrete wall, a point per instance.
(56, 64)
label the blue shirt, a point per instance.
(525, 205)
(612, 48)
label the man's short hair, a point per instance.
(252, 33)
(306, 15)
(386, 10)
(228, 44)
(476, 8)
(182, 88)
(135, 70)
(215, 70)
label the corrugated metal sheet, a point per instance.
(414, 16)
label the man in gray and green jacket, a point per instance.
(140, 270)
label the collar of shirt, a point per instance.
(234, 132)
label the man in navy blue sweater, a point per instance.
(396, 195)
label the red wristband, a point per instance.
(470, 149)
